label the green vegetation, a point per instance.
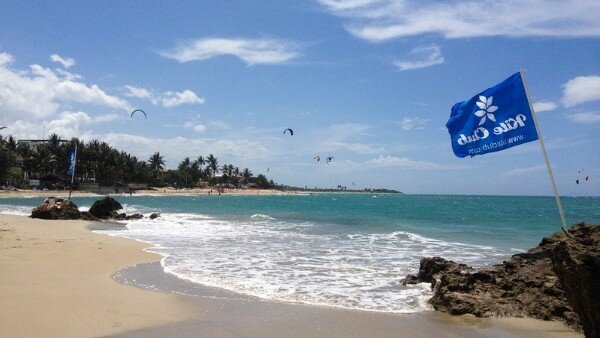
(97, 162)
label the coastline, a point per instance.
(60, 269)
(176, 192)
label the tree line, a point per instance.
(100, 163)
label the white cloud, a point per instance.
(403, 162)
(524, 171)
(543, 106)
(251, 51)
(172, 99)
(395, 162)
(378, 20)
(410, 123)
(141, 93)
(199, 128)
(5, 59)
(40, 92)
(227, 150)
(195, 126)
(108, 117)
(65, 62)
(67, 124)
(168, 99)
(584, 118)
(422, 57)
(580, 90)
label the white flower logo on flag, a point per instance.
(486, 109)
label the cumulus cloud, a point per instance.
(172, 99)
(195, 126)
(395, 162)
(422, 57)
(543, 106)
(379, 20)
(580, 90)
(40, 92)
(109, 117)
(235, 150)
(65, 62)
(67, 124)
(250, 51)
(141, 93)
(167, 99)
(5, 58)
(410, 123)
(584, 118)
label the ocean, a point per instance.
(341, 250)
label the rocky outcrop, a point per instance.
(557, 280)
(577, 264)
(105, 208)
(56, 208)
(154, 215)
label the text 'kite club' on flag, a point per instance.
(496, 119)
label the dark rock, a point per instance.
(576, 262)
(105, 208)
(154, 215)
(86, 216)
(410, 279)
(431, 268)
(134, 216)
(56, 208)
(557, 280)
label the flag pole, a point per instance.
(73, 173)
(541, 139)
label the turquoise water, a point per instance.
(503, 221)
(345, 250)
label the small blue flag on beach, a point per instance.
(496, 119)
(72, 161)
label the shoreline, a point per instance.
(61, 269)
(180, 192)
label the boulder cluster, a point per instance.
(557, 280)
(104, 209)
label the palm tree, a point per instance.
(156, 163)
(246, 174)
(213, 164)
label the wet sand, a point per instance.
(57, 280)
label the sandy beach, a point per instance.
(155, 192)
(57, 280)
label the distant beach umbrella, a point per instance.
(141, 111)
(290, 130)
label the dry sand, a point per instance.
(55, 281)
(156, 192)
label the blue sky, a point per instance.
(370, 82)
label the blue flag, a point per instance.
(72, 161)
(496, 119)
